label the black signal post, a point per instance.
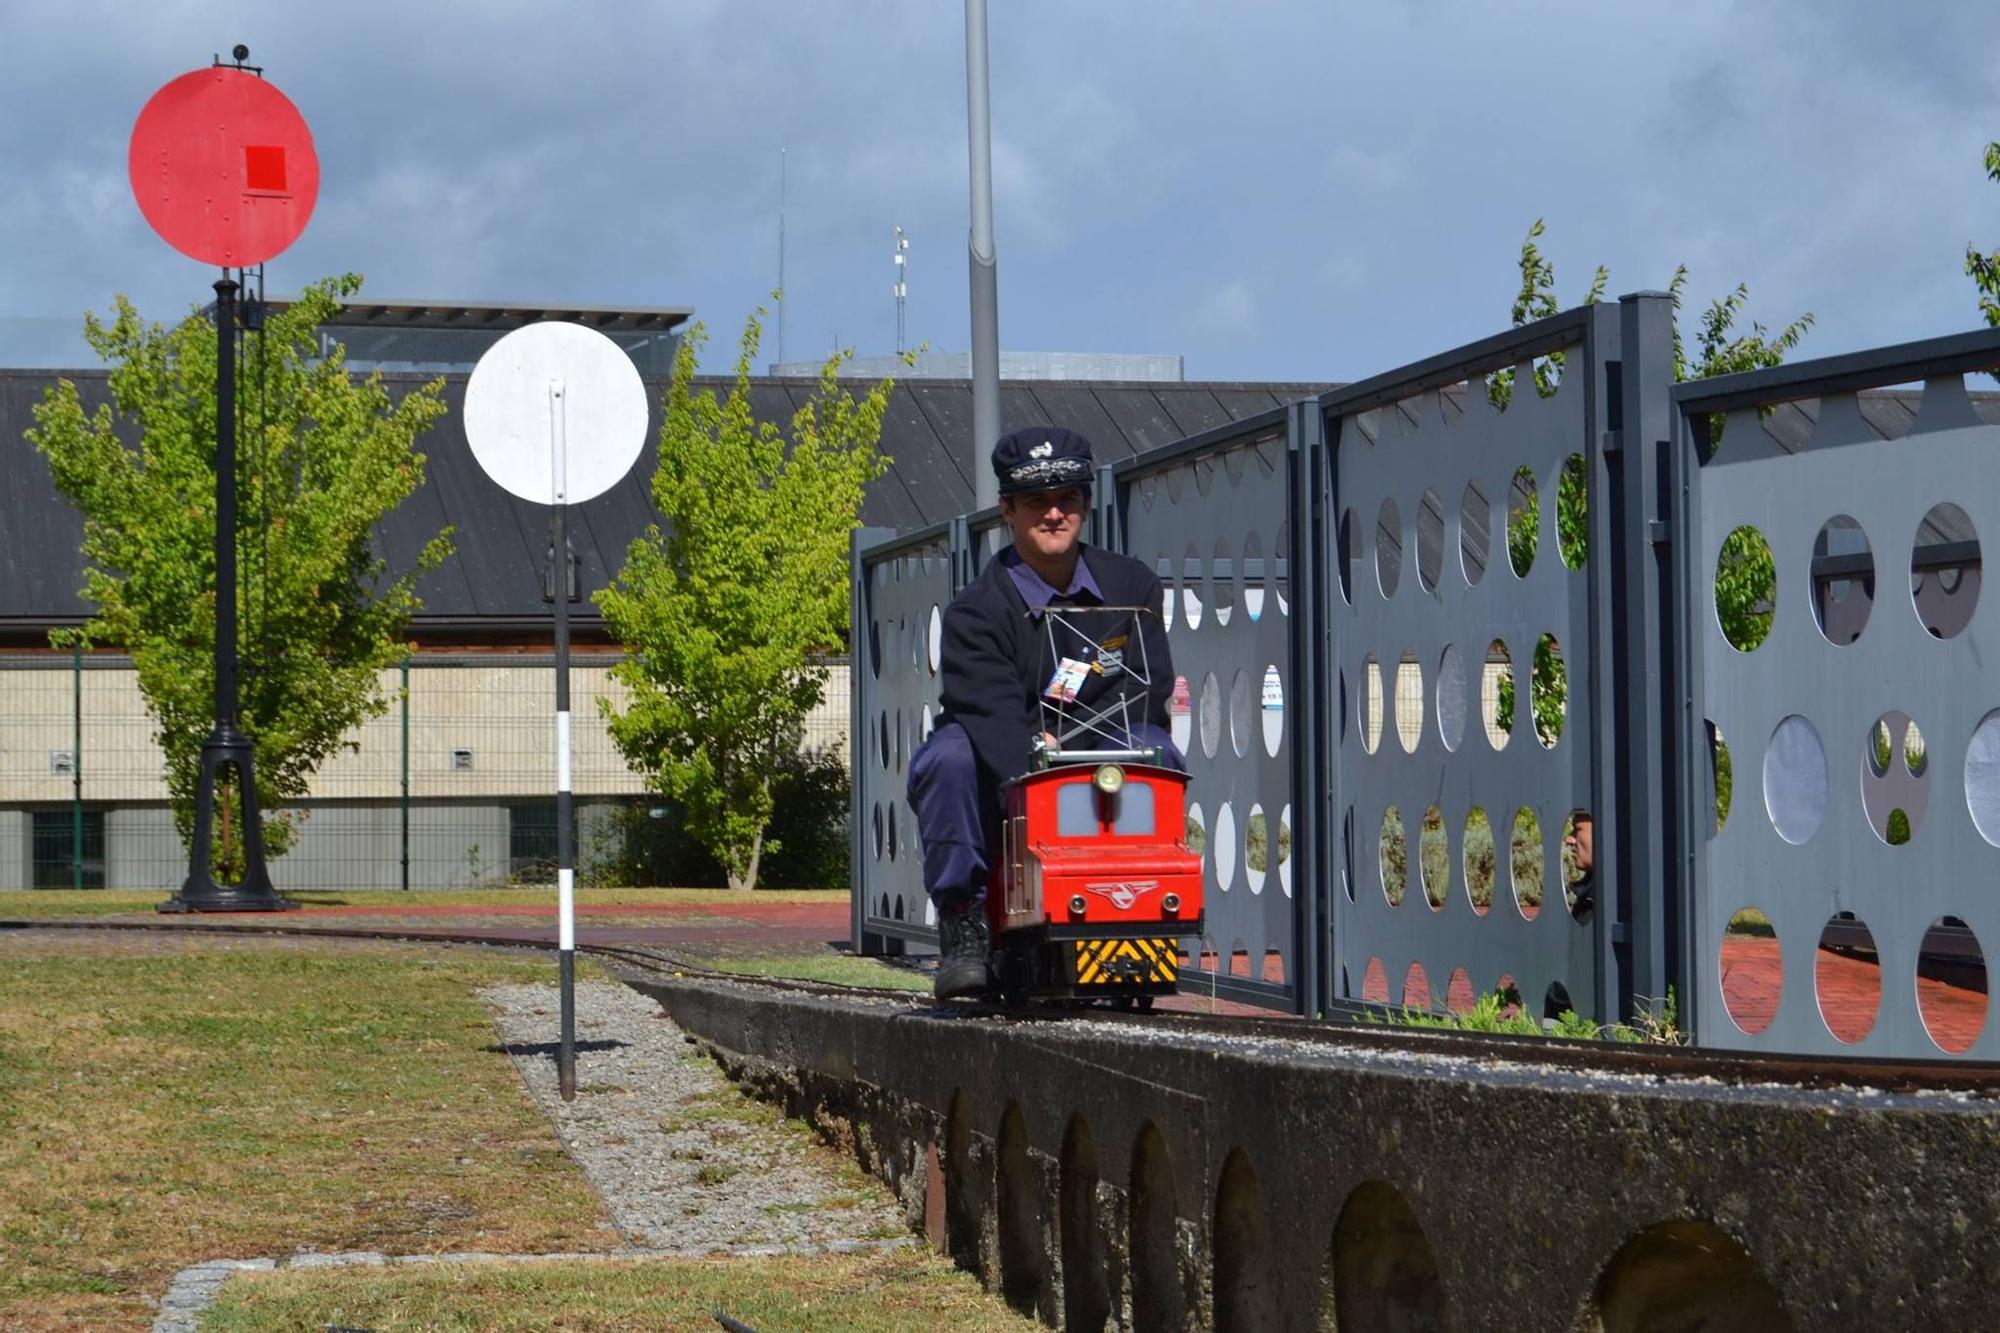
(227, 747)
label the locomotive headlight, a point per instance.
(1109, 779)
(1171, 904)
(1077, 905)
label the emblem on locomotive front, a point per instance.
(1124, 893)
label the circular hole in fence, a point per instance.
(1524, 518)
(1371, 704)
(1256, 848)
(1451, 698)
(1166, 593)
(1579, 862)
(1795, 779)
(882, 737)
(1475, 532)
(1280, 553)
(1222, 582)
(1416, 988)
(1210, 719)
(1496, 695)
(1225, 847)
(1193, 590)
(1476, 850)
(1409, 702)
(1847, 978)
(1951, 985)
(1895, 788)
(1752, 971)
(894, 842)
(1388, 547)
(1180, 707)
(1722, 774)
(1395, 857)
(1459, 997)
(877, 823)
(1746, 589)
(1197, 832)
(929, 725)
(1349, 537)
(1272, 702)
(1945, 571)
(1254, 574)
(900, 729)
(1982, 777)
(1434, 859)
(1430, 539)
(1239, 713)
(1548, 691)
(1527, 863)
(1285, 850)
(1573, 512)
(935, 637)
(1556, 1002)
(1375, 982)
(875, 647)
(1843, 580)
(915, 637)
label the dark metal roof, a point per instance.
(406, 314)
(490, 588)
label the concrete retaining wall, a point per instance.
(1096, 1172)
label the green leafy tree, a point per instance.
(1984, 270)
(1746, 577)
(321, 459)
(721, 612)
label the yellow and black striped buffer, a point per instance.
(1114, 963)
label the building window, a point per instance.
(54, 838)
(531, 841)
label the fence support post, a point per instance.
(864, 943)
(406, 773)
(1645, 942)
(1311, 757)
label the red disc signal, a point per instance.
(223, 167)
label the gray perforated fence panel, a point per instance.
(1448, 818)
(902, 588)
(1858, 707)
(1214, 517)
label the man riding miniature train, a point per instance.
(1003, 655)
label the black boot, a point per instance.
(963, 948)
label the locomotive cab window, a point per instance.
(1081, 810)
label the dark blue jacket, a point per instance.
(996, 658)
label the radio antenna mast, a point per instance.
(781, 257)
(902, 286)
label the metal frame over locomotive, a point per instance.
(1095, 891)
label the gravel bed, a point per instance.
(682, 1159)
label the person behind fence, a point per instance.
(999, 657)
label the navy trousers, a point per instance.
(958, 814)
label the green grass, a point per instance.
(833, 968)
(897, 1291)
(165, 1101)
(1502, 1011)
(30, 904)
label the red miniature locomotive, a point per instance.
(1095, 890)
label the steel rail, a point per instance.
(1350, 1026)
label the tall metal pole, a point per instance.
(985, 275)
(565, 850)
(782, 293)
(226, 747)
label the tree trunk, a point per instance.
(748, 879)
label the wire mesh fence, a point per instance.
(452, 785)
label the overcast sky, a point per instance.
(1277, 190)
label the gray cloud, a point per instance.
(1293, 189)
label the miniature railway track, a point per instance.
(1356, 1026)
